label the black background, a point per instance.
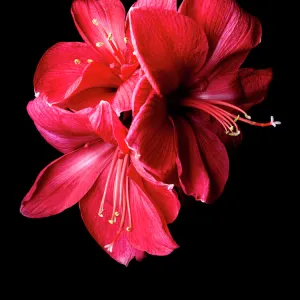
(241, 235)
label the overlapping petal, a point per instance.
(64, 130)
(229, 29)
(96, 19)
(173, 53)
(61, 66)
(65, 181)
(151, 136)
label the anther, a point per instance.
(234, 133)
(95, 22)
(236, 119)
(128, 228)
(125, 40)
(77, 61)
(89, 61)
(117, 213)
(109, 37)
(99, 44)
(111, 221)
(247, 117)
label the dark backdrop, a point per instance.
(240, 234)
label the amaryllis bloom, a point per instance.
(126, 214)
(102, 68)
(192, 85)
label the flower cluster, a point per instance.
(144, 107)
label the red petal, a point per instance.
(215, 160)
(65, 181)
(123, 98)
(108, 126)
(95, 20)
(60, 67)
(151, 136)
(64, 130)
(171, 54)
(96, 74)
(194, 177)
(255, 84)
(226, 87)
(161, 195)
(89, 98)
(229, 29)
(141, 93)
(100, 229)
(163, 4)
(149, 232)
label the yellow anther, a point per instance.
(125, 40)
(247, 117)
(77, 61)
(100, 215)
(95, 22)
(237, 118)
(117, 213)
(111, 221)
(234, 133)
(128, 228)
(89, 61)
(134, 53)
(109, 37)
(99, 44)
(231, 128)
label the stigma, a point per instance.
(120, 201)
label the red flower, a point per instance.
(102, 68)
(191, 63)
(124, 213)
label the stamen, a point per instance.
(89, 61)
(129, 228)
(77, 61)
(117, 180)
(226, 119)
(100, 213)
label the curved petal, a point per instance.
(65, 181)
(176, 51)
(162, 196)
(108, 126)
(229, 29)
(96, 74)
(163, 4)
(255, 85)
(60, 67)
(149, 229)
(141, 93)
(64, 130)
(100, 228)
(226, 87)
(151, 136)
(194, 178)
(215, 161)
(123, 98)
(96, 19)
(89, 98)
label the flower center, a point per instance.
(121, 204)
(219, 110)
